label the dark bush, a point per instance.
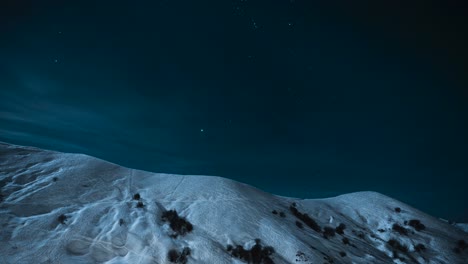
(462, 244)
(328, 232)
(268, 250)
(173, 255)
(305, 218)
(180, 258)
(299, 224)
(229, 248)
(397, 209)
(361, 235)
(340, 229)
(240, 253)
(121, 222)
(392, 242)
(294, 204)
(417, 225)
(136, 196)
(186, 251)
(397, 246)
(256, 255)
(54, 179)
(301, 257)
(294, 210)
(345, 241)
(381, 230)
(419, 248)
(282, 214)
(140, 204)
(177, 224)
(401, 230)
(342, 253)
(274, 212)
(62, 218)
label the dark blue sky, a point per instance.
(299, 98)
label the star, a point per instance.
(202, 130)
(56, 61)
(254, 24)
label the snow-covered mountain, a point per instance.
(72, 208)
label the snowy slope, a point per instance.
(72, 208)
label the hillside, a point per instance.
(72, 208)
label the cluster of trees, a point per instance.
(178, 224)
(256, 255)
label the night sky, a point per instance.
(299, 98)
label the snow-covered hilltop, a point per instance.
(72, 208)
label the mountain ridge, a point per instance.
(86, 210)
